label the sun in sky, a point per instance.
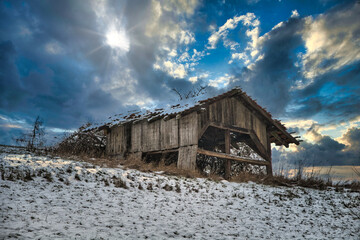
(74, 61)
(118, 39)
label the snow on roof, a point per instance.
(187, 106)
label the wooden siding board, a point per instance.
(118, 140)
(152, 136)
(188, 129)
(187, 157)
(136, 135)
(243, 115)
(169, 134)
(108, 144)
(260, 129)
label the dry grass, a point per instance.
(314, 182)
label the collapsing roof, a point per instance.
(279, 134)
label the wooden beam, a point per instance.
(229, 127)
(261, 149)
(227, 151)
(269, 167)
(163, 151)
(277, 137)
(203, 130)
(231, 157)
(245, 99)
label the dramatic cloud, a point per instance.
(297, 83)
(76, 61)
(324, 151)
(268, 79)
(332, 40)
(247, 20)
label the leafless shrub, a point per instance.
(90, 143)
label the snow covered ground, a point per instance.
(63, 199)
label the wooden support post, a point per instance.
(227, 151)
(269, 167)
(187, 157)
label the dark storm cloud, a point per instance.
(47, 67)
(325, 152)
(55, 61)
(335, 95)
(10, 84)
(141, 56)
(271, 78)
(352, 136)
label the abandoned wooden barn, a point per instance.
(210, 127)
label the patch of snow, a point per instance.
(59, 198)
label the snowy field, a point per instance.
(53, 198)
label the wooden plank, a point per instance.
(188, 130)
(187, 157)
(267, 117)
(227, 151)
(229, 127)
(203, 117)
(269, 167)
(152, 138)
(163, 151)
(231, 157)
(136, 136)
(277, 137)
(108, 144)
(260, 129)
(203, 130)
(242, 115)
(169, 134)
(261, 149)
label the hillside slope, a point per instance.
(43, 197)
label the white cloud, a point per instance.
(295, 14)
(11, 126)
(221, 82)
(173, 53)
(331, 41)
(175, 70)
(247, 20)
(172, 56)
(194, 79)
(180, 6)
(238, 56)
(251, 52)
(186, 37)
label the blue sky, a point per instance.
(76, 61)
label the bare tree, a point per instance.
(194, 92)
(35, 138)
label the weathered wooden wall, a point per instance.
(188, 129)
(154, 136)
(232, 112)
(183, 132)
(117, 141)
